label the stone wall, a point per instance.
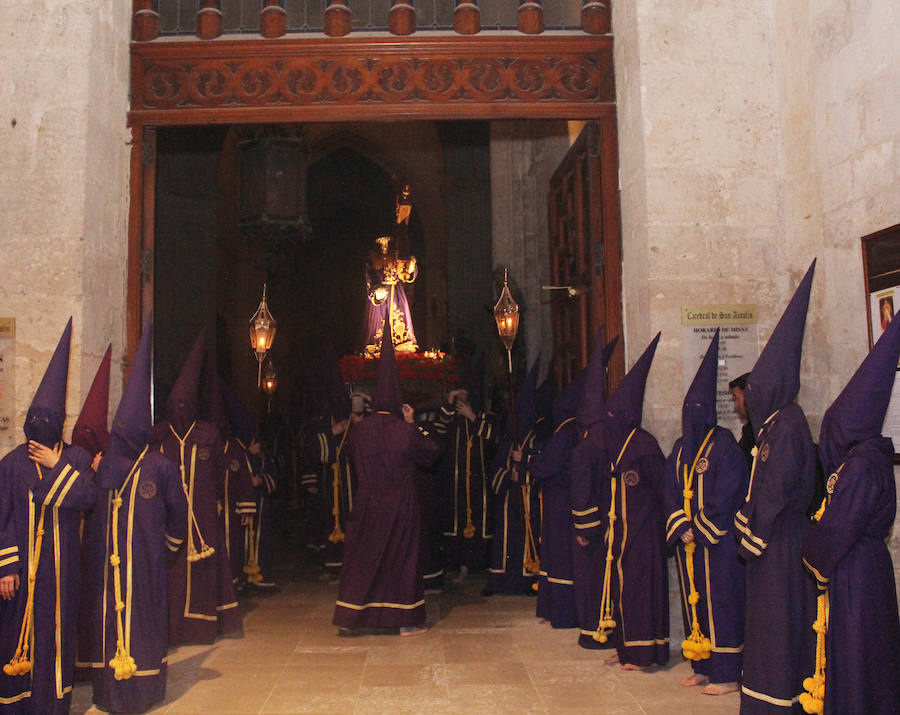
(63, 186)
(753, 137)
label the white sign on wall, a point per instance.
(7, 384)
(738, 349)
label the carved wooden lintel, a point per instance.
(327, 79)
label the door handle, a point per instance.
(571, 290)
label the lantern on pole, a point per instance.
(506, 314)
(262, 333)
(270, 383)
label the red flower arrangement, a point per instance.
(431, 366)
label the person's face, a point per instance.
(740, 406)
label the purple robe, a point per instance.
(551, 471)
(589, 499)
(65, 491)
(639, 576)
(152, 526)
(239, 503)
(460, 493)
(381, 584)
(393, 310)
(513, 500)
(202, 598)
(262, 537)
(719, 485)
(846, 550)
(326, 450)
(779, 644)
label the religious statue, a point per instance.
(385, 275)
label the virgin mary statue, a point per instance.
(387, 304)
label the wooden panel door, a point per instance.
(585, 250)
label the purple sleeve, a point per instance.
(548, 465)
(673, 500)
(9, 548)
(856, 494)
(721, 495)
(70, 484)
(586, 516)
(423, 448)
(176, 507)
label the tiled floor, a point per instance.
(481, 655)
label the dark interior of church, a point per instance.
(211, 262)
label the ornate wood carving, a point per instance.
(330, 79)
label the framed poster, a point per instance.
(881, 273)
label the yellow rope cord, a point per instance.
(607, 623)
(337, 535)
(531, 558)
(205, 549)
(696, 646)
(813, 700)
(122, 663)
(251, 567)
(469, 531)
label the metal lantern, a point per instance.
(506, 313)
(262, 333)
(270, 383)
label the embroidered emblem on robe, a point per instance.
(631, 478)
(764, 452)
(147, 490)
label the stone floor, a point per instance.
(480, 655)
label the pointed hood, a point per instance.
(132, 422)
(625, 408)
(183, 405)
(45, 418)
(546, 394)
(243, 423)
(774, 380)
(566, 402)
(90, 429)
(387, 396)
(698, 412)
(526, 411)
(592, 401)
(858, 412)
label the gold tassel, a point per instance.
(696, 646)
(21, 663)
(337, 535)
(813, 700)
(469, 531)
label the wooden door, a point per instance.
(585, 250)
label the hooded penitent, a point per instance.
(775, 379)
(183, 405)
(592, 398)
(387, 396)
(625, 408)
(698, 412)
(90, 431)
(858, 412)
(44, 421)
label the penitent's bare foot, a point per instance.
(632, 666)
(695, 679)
(611, 660)
(719, 688)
